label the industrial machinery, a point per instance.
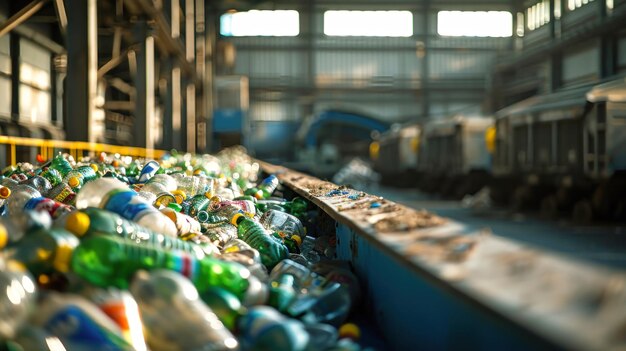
(453, 156)
(330, 139)
(565, 152)
(395, 153)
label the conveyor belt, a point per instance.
(432, 284)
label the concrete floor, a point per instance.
(603, 244)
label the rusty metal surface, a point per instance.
(574, 305)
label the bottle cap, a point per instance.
(78, 223)
(297, 239)
(179, 195)
(5, 192)
(215, 199)
(4, 236)
(62, 257)
(209, 194)
(94, 167)
(350, 330)
(73, 182)
(235, 218)
(175, 206)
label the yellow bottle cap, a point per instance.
(5, 192)
(297, 239)
(77, 223)
(73, 182)
(234, 219)
(215, 199)
(209, 194)
(350, 330)
(180, 196)
(4, 236)
(63, 257)
(94, 167)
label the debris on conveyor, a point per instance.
(357, 174)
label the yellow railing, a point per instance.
(48, 147)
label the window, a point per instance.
(368, 23)
(475, 23)
(538, 15)
(34, 88)
(279, 23)
(574, 4)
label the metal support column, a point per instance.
(212, 28)
(144, 84)
(190, 87)
(425, 53)
(82, 67)
(202, 87)
(14, 44)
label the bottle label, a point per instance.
(126, 203)
(76, 326)
(184, 264)
(40, 204)
(66, 195)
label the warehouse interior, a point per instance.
(505, 116)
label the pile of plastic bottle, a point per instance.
(185, 253)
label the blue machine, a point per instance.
(330, 139)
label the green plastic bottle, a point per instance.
(44, 251)
(95, 221)
(265, 189)
(53, 176)
(112, 261)
(271, 249)
(61, 164)
(77, 177)
(282, 292)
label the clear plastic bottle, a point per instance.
(115, 196)
(190, 185)
(79, 324)
(158, 190)
(18, 297)
(38, 182)
(264, 328)
(20, 195)
(283, 223)
(174, 315)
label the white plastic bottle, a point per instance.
(115, 196)
(174, 316)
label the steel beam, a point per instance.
(144, 84)
(21, 16)
(59, 7)
(82, 66)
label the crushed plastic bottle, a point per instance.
(175, 316)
